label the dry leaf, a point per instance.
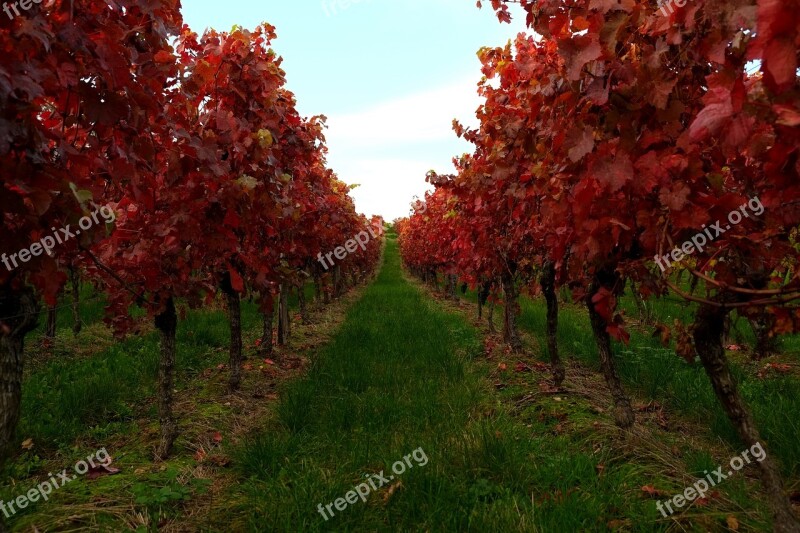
(653, 492)
(522, 367)
(391, 490)
(219, 460)
(101, 470)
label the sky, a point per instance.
(390, 75)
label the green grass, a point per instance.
(92, 304)
(402, 375)
(657, 373)
(73, 404)
(68, 396)
(648, 368)
(65, 397)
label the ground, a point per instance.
(391, 373)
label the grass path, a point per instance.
(404, 375)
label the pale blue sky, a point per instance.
(390, 75)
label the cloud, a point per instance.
(367, 146)
(387, 186)
(416, 118)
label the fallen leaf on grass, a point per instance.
(101, 470)
(522, 367)
(391, 490)
(653, 492)
(219, 460)
(732, 523)
(547, 388)
(217, 437)
(779, 367)
(502, 366)
(488, 347)
(663, 333)
(27, 444)
(649, 407)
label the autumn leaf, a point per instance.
(97, 471)
(522, 367)
(653, 492)
(787, 115)
(163, 56)
(579, 51)
(391, 490)
(710, 120)
(780, 62)
(664, 334)
(581, 141)
(236, 280)
(614, 173)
